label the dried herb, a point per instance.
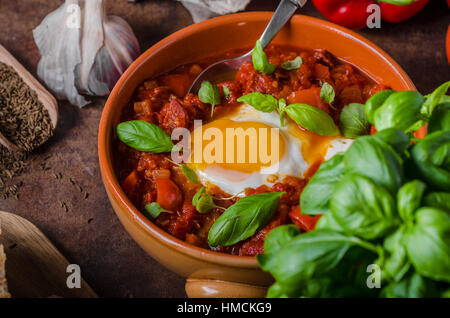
(24, 121)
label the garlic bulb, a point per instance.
(83, 51)
(204, 9)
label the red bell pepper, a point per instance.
(396, 13)
(353, 13)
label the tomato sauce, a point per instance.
(164, 101)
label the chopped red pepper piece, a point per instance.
(168, 195)
(302, 221)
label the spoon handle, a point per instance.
(283, 13)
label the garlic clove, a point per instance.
(56, 38)
(120, 49)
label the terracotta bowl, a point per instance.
(211, 274)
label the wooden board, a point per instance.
(34, 267)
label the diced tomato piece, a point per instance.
(310, 96)
(131, 182)
(322, 72)
(178, 83)
(302, 221)
(184, 222)
(168, 195)
(173, 115)
(351, 94)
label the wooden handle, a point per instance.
(34, 267)
(210, 288)
(5, 142)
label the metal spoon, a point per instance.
(283, 14)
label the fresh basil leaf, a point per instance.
(292, 64)
(353, 121)
(197, 195)
(445, 293)
(396, 264)
(439, 200)
(275, 241)
(279, 237)
(370, 157)
(397, 139)
(276, 291)
(327, 93)
(434, 99)
(226, 91)
(428, 243)
(263, 102)
(189, 173)
(375, 102)
(315, 197)
(313, 119)
(260, 61)
(400, 110)
(328, 222)
(362, 208)
(241, 220)
(154, 210)
(205, 204)
(440, 120)
(409, 198)
(144, 136)
(431, 159)
(346, 279)
(209, 94)
(413, 286)
(307, 255)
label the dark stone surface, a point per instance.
(89, 234)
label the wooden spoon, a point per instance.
(44, 96)
(34, 267)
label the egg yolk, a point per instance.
(314, 146)
(244, 146)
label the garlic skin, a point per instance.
(57, 38)
(205, 9)
(83, 50)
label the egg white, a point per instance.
(292, 162)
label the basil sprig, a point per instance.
(144, 136)
(292, 64)
(187, 171)
(260, 61)
(386, 202)
(154, 209)
(241, 220)
(204, 202)
(209, 94)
